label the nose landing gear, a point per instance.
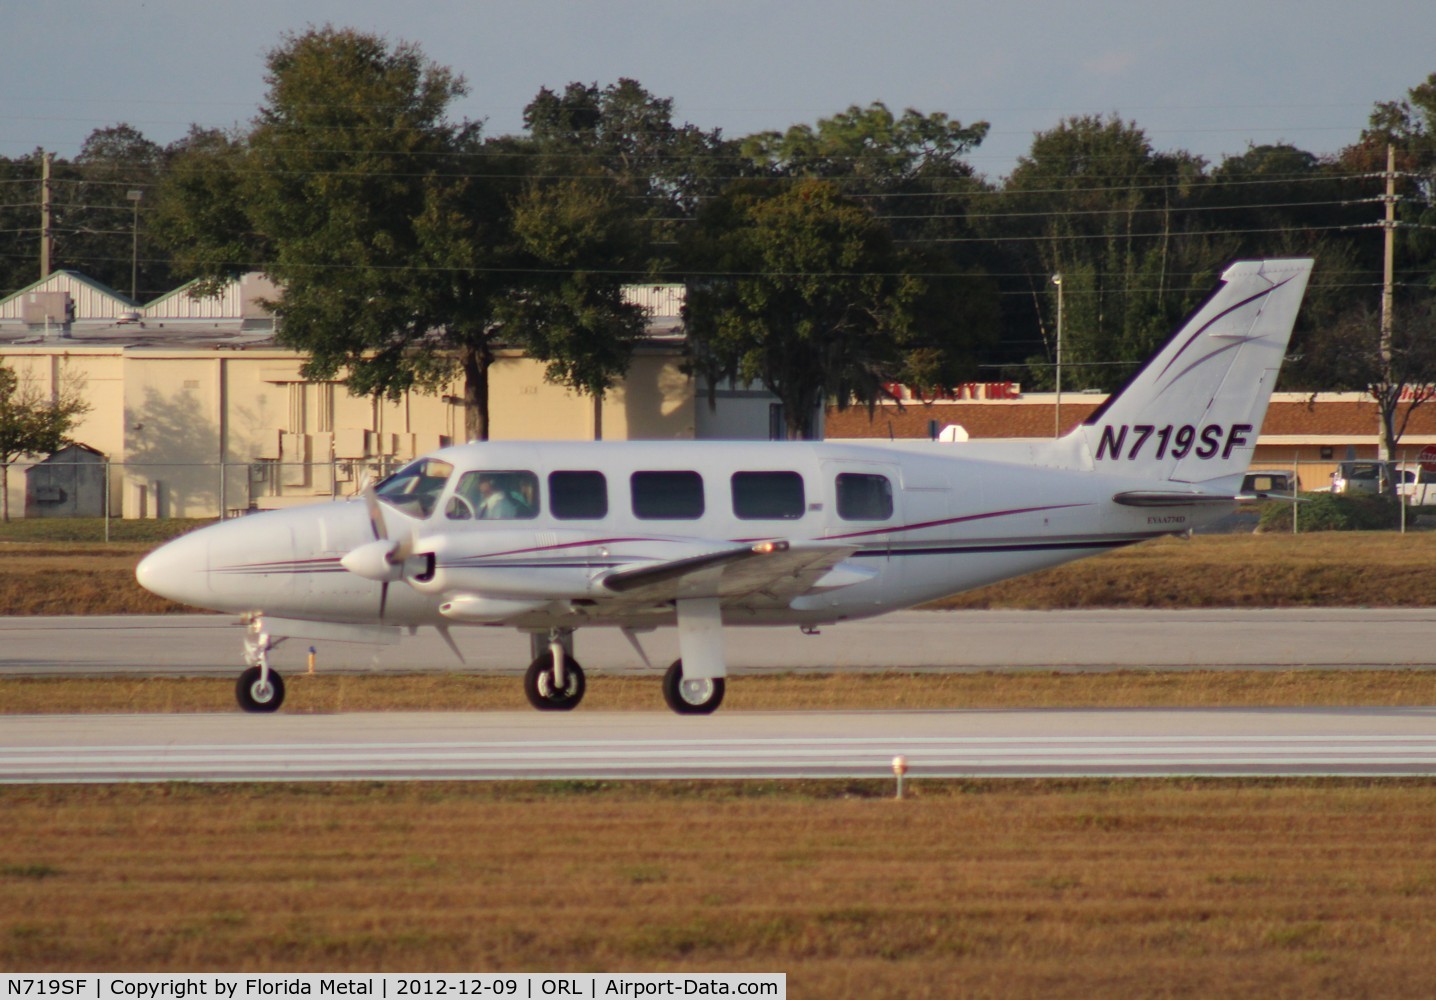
(259, 688)
(257, 693)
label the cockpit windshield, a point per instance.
(415, 489)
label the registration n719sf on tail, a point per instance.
(553, 537)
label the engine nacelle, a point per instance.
(477, 610)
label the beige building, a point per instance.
(199, 415)
(190, 430)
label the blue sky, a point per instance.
(1209, 78)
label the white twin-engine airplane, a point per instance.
(553, 537)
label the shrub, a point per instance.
(1336, 512)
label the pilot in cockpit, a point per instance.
(494, 496)
(495, 501)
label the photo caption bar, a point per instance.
(390, 986)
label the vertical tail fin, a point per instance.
(1192, 413)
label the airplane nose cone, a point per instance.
(177, 570)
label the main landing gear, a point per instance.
(692, 695)
(554, 681)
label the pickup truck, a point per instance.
(1357, 477)
(1414, 484)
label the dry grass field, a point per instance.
(992, 889)
(1371, 569)
(75, 578)
(1328, 569)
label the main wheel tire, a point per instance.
(253, 696)
(695, 696)
(541, 691)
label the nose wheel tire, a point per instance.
(544, 694)
(255, 696)
(691, 696)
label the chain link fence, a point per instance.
(89, 488)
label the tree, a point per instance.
(100, 229)
(628, 135)
(93, 220)
(570, 314)
(1409, 126)
(19, 221)
(800, 289)
(199, 212)
(1281, 201)
(33, 422)
(1348, 354)
(910, 171)
(607, 175)
(382, 237)
(1094, 202)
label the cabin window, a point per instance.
(667, 496)
(415, 489)
(577, 496)
(864, 497)
(494, 495)
(768, 496)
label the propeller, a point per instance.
(381, 560)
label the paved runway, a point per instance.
(530, 745)
(915, 640)
(731, 744)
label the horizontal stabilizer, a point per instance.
(1171, 498)
(1263, 497)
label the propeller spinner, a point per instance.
(381, 560)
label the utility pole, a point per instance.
(1387, 281)
(45, 229)
(135, 197)
(1389, 258)
(1057, 408)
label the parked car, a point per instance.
(1259, 483)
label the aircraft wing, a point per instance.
(768, 573)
